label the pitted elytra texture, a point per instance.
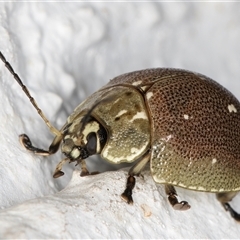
(185, 124)
(211, 132)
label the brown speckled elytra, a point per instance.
(184, 124)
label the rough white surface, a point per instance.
(64, 52)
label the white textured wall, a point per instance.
(64, 52)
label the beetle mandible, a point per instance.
(184, 124)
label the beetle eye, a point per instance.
(102, 135)
(91, 143)
(94, 137)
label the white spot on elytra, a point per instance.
(121, 113)
(134, 150)
(136, 83)
(167, 138)
(186, 116)
(231, 108)
(214, 161)
(139, 115)
(149, 95)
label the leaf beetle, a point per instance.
(182, 123)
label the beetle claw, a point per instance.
(182, 206)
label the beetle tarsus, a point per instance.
(85, 173)
(224, 198)
(26, 143)
(180, 206)
(127, 194)
(94, 173)
(84, 170)
(172, 198)
(233, 213)
(58, 174)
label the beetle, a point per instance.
(186, 125)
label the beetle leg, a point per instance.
(84, 170)
(26, 143)
(58, 172)
(134, 171)
(226, 197)
(127, 194)
(172, 198)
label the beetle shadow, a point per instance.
(96, 163)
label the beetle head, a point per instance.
(84, 139)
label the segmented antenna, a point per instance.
(32, 100)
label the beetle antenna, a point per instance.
(32, 100)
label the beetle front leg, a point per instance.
(26, 143)
(172, 198)
(134, 171)
(58, 171)
(84, 170)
